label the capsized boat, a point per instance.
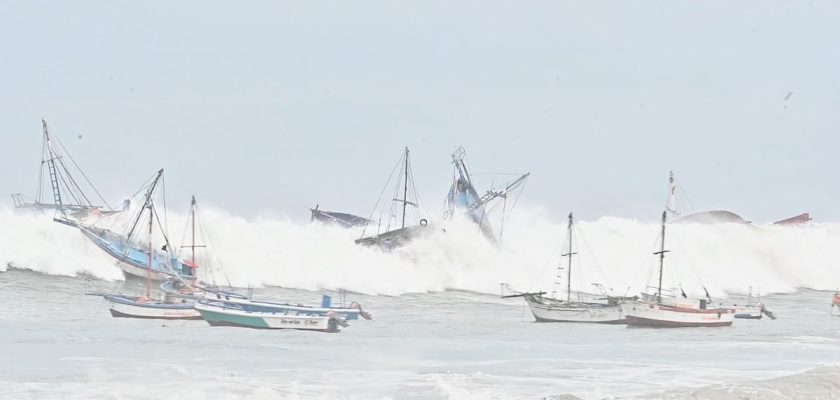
(394, 237)
(703, 217)
(131, 256)
(552, 309)
(218, 313)
(463, 197)
(68, 197)
(656, 310)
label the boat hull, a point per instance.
(286, 309)
(552, 311)
(216, 315)
(124, 307)
(661, 316)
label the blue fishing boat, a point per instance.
(463, 197)
(223, 314)
(131, 256)
(145, 306)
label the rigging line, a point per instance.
(60, 143)
(693, 267)
(60, 178)
(80, 196)
(592, 254)
(382, 193)
(645, 262)
(545, 264)
(684, 193)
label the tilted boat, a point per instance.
(340, 219)
(145, 306)
(703, 217)
(463, 197)
(394, 237)
(218, 313)
(552, 309)
(654, 310)
(67, 194)
(130, 255)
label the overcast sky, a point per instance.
(268, 107)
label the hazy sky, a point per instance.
(267, 107)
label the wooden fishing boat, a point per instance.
(224, 314)
(750, 310)
(131, 256)
(551, 309)
(340, 219)
(394, 237)
(464, 198)
(654, 310)
(68, 196)
(145, 306)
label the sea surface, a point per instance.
(56, 342)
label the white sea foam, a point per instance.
(725, 258)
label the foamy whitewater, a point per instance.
(440, 330)
(725, 258)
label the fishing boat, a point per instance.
(463, 197)
(750, 310)
(68, 197)
(656, 310)
(676, 215)
(131, 256)
(552, 309)
(340, 219)
(218, 313)
(195, 289)
(394, 237)
(144, 306)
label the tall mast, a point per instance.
(661, 254)
(192, 212)
(569, 254)
(405, 189)
(151, 250)
(50, 160)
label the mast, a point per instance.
(192, 212)
(151, 250)
(405, 189)
(671, 203)
(50, 160)
(661, 254)
(569, 254)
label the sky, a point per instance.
(270, 107)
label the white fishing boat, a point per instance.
(551, 309)
(656, 310)
(218, 313)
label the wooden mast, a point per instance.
(661, 254)
(405, 189)
(569, 254)
(151, 250)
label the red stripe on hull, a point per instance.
(655, 323)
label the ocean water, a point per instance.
(440, 330)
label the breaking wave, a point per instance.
(725, 258)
